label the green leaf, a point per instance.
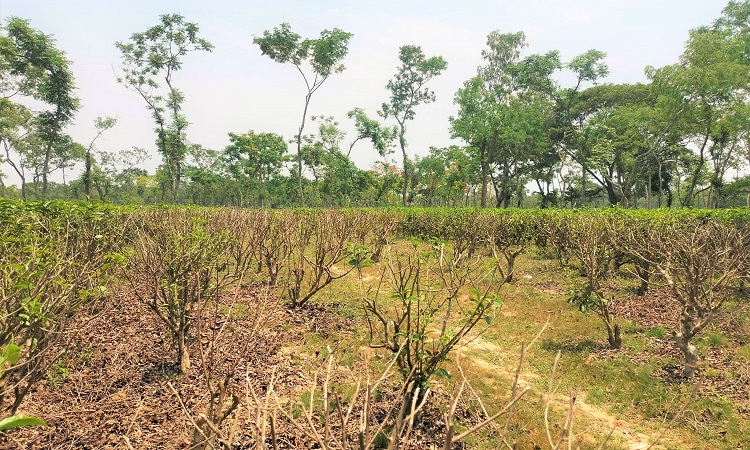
(488, 319)
(12, 353)
(18, 421)
(443, 373)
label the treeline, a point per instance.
(682, 139)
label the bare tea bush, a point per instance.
(179, 262)
(591, 245)
(329, 420)
(219, 367)
(277, 243)
(415, 310)
(320, 244)
(702, 263)
(556, 231)
(377, 232)
(249, 232)
(507, 236)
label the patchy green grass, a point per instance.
(632, 388)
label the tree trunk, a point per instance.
(689, 198)
(485, 172)
(183, 354)
(402, 144)
(510, 257)
(87, 176)
(19, 170)
(612, 196)
(300, 186)
(690, 352)
(45, 170)
(643, 272)
(614, 335)
(176, 182)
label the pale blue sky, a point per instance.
(236, 89)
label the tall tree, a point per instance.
(110, 172)
(473, 125)
(207, 171)
(15, 121)
(503, 115)
(505, 109)
(323, 55)
(430, 175)
(155, 55)
(32, 67)
(101, 124)
(337, 180)
(704, 93)
(613, 144)
(408, 90)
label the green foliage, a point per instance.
(35, 68)
(657, 332)
(149, 58)
(324, 55)
(408, 89)
(715, 339)
(58, 373)
(18, 421)
(57, 258)
(253, 159)
(379, 135)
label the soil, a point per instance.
(116, 386)
(112, 389)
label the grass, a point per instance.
(629, 386)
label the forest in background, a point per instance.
(530, 140)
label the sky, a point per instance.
(237, 89)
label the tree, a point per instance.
(472, 125)
(702, 94)
(462, 167)
(337, 180)
(430, 175)
(207, 170)
(255, 158)
(157, 54)
(503, 115)
(110, 174)
(408, 90)
(505, 109)
(613, 143)
(324, 56)
(102, 124)
(34, 68)
(14, 133)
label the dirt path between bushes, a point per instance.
(479, 352)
